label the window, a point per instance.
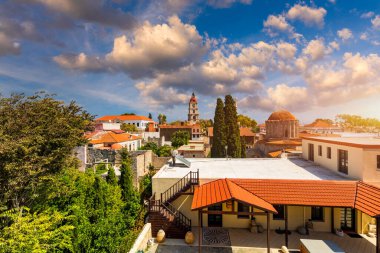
(138, 124)
(193, 111)
(243, 208)
(317, 213)
(329, 152)
(343, 161)
(378, 161)
(311, 152)
(319, 150)
(280, 212)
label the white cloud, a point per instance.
(376, 22)
(308, 15)
(80, 62)
(8, 46)
(275, 24)
(317, 50)
(345, 34)
(364, 36)
(286, 50)
(150, 50)
(369, 14)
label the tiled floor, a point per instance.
(242, 238)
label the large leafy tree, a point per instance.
(246, 121)
(219, 139)
(128, 127)
(48, 231)
(232, 127)
(37, 138)
(180, 138)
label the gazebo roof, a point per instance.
(224, 190)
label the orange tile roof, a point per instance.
(302, 192)
(123, 118)
(368, 199)
(111, 137)
(224, 190)
(275, 154)
(244, 131)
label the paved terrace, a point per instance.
(242, 241)
(250, 168)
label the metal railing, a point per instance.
(182, 185)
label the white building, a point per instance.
(141, 122)
(354, 157)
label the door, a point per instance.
(311, 152)
(347, 219)
(215, 220)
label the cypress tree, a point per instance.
(232, 128)
(243, 154)
(219, 139)
(126, 176)
(111, 176)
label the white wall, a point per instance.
(355, 157)
(111, 126)
(140, 124)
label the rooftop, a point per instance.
(360, 142)
(192, 147)
(250, 168)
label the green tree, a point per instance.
(205, 123)
(150, 116)
(161, 119)
(219, 135)
(164, 151)
(243, 149)
(150, 146)
(111, 176)
(328, 121)
(180, 138)
(232, 127)
(246, 121)
(128, 127)
(129, 113)
(37, 137)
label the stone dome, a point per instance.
(281, 115)
(116, 146)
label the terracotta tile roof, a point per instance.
(368, 199)
(123, 118)
(275, 154)
(223, 190)
(244, 131)
(302, 192)
(111, 137)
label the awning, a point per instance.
(223, 190)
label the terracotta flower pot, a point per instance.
(189, 237)
(160, 236)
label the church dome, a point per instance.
(282, 115)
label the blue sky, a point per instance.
(313, 58)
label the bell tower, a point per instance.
(193, 115)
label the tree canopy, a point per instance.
(219, 131)
(161, 119)
(232, 127)
(37, 137)
(128, 127)
(246, 121)
(180, 138)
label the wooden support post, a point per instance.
(199, 230)
(377, 235)
(286, 227)
(332, 220)
(268, 232)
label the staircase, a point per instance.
(163, 215)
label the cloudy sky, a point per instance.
(313, 58)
